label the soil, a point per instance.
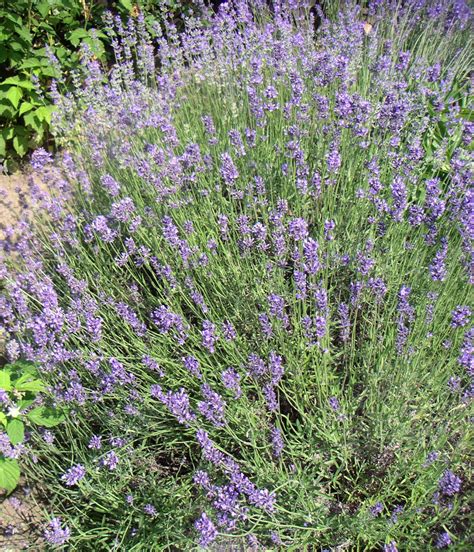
(21, 521)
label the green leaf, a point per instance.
(22, 83)
(34, 62)
(5, 382)
(3, 146)
(43, 8)
(25, 107)
(9, 474)
(25, 403)
(32, 121)
(6, 110)
(20, 145)
(77, 35)
(45, 416)
(16, 431)
(14, 95)
(35, 386)
(44, 113)
(3, 419)
(127, 4)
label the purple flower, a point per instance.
(192, 366)
(95, 442)
(231, 380)
(432, 457)
(228, 331)
(150, 510)
(460, 316)
(334, 403)
(177, 403)
(110, 460)
(39, 158)
(206, 529)
(229, 171)
(438, 270)
(390, 547)
(376, 509)
(55, 533)
(344, 322)
(277, 441)
(110, 184)
(329, 226)
(449, 484)
(443, 540)
(213, 407)
(74, 475)
(298, 229)
(209, 336)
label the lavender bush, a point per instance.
(248, 283)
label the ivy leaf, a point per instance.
(45, 416)
(16, 431)
(9, 474)
(14, 95)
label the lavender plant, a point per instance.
(248, 283)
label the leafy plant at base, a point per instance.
(19, 390)
(37, 37)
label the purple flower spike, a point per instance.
(443, 540)
(206, 529)
(449, 484)
(74, 475)
(460, 316)
(55, 533)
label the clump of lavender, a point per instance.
(245, 278)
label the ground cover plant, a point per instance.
(248, 285)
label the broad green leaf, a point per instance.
(127, 4)
(3, 145)
(5, 382)
(24, 366)
(20, 145)
(45, 416)
(9, 474)
(16, 431)
(43, 8)
(8, 134)
(14, 94)
(24, 33)
(22, 83)
(77, 35)
(34, 62)
(44, 113)
(3, 419)
(32, 121)
(35, 386)
(7, 111)
(25, 107)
